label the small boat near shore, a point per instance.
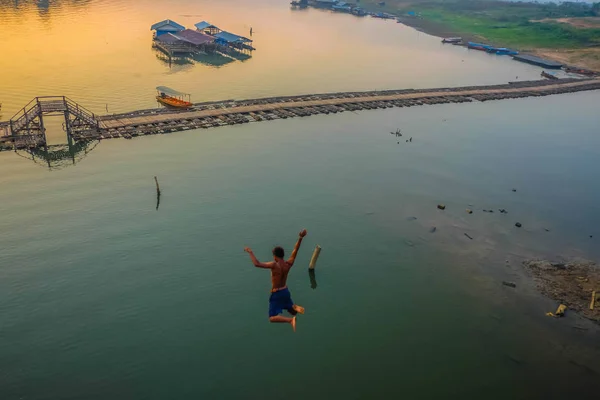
(548, 75)
(173, 98)
(580, 71)
(452, 40)
(478, 46)
(382, 15)
(502, 51)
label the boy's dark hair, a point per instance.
(278, 252)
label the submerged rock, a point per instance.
(433, 229)
(509, 284)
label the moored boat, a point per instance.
(173, 98)
(382, 15)
(452, 40)
(548, 75)
(579, 71)
(478, 46)
(502, 51)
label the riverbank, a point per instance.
(527, 27)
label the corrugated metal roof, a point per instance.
(195, 37)
(168, 38)
(204, 25)
(169, 25)
(232, 37)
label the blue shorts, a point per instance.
(279, 301)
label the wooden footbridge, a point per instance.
(26, 129)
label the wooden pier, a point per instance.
(231, 112)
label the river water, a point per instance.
(102, 295)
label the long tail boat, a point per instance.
(173, 98)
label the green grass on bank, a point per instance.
(503, 23)
(523, 33)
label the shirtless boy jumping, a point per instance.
(280, 295)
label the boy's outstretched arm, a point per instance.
(297, 247)
(255, 261)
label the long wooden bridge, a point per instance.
(26, 129)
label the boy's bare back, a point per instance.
(279, 273)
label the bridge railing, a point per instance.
(81, 112)
(24, 116)
(50, 104)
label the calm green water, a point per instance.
(103, 296)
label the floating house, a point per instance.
(186, 41)
(208, 28)
(174, 40)
(166, 26)
(225, 38)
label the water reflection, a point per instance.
(212, 60)
(313, 278)
(59, 156)
(43, 5)
(184, 63)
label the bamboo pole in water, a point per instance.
(157, 187)
(315, 257)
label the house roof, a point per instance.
(194, 37)
(188, 36)
(167, 25)
(204, 25)
(168, 38)
(232, 38)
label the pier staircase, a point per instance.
(26, 128)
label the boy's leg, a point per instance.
(298, 309)
(281, 318)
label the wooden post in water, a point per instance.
(157, 194)
(593, 300)
(157, 187)
(315, 257)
